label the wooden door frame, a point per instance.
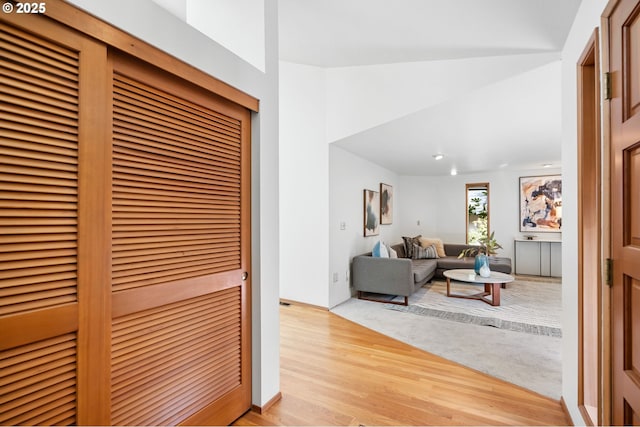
(590, 172)
(607, 322)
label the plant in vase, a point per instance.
(487, 246)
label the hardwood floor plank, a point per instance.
(336, 372)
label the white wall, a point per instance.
(360, 98)
(349, 176)
(155, 25)
(236, 25)
(439, 203)
(304, 185)
(320, 187)
(587, 19)
(176, 7)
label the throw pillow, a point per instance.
(428, 241)
(408, 245)
(392, 252)
(424, 253)
(384, 252)
(380, 250)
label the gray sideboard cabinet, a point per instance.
(538, 257)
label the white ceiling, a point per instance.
(512, 122)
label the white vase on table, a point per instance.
(484, 271)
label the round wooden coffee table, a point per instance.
(491, 284)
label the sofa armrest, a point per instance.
(391, 276)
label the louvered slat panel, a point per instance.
(20, 71)
(196, 248)
(161, 230)
(138, 322)
(131, 177)
(191, 144)
(179, 159)
(149, 265)
(38, 385)
(191, 175)
(189, 349)
(38, 186)
(194, 136)
(29, 114)
(56, 164)
(176, 188)
(177, 111)
(174, 274)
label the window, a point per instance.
(477, 200)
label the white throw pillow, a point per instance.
(384, 253)
(392, 252)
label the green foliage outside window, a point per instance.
(477, 210)
(479, 231)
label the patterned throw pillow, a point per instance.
(424, 253)
(427, 241)
(408, 244)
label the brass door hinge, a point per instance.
(609, 272)
(606, 86)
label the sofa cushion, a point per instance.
(423, 268)
(399, 248)
(408, 245)
(428, 252)
(501, 264)
(454, 249)
(453, 262)
(428, 241)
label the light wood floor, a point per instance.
(335, 372)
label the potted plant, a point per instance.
(488, 246)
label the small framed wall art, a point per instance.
(371, 211)
(541, 203)
(386, 204)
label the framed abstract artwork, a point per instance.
(541, 203)
(371, 212)
(386, 204)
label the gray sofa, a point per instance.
(403, 276)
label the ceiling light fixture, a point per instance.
(454, 171)
(438, 156)
(546, 165)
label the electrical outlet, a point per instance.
(335, 277)
(418, 222)
(343, 225)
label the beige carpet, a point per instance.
(531, 360)
(525, 306)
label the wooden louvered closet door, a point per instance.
(125, 237)
(180, 246)
(49, 249)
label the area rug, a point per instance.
(530, 360)
(525, 306)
